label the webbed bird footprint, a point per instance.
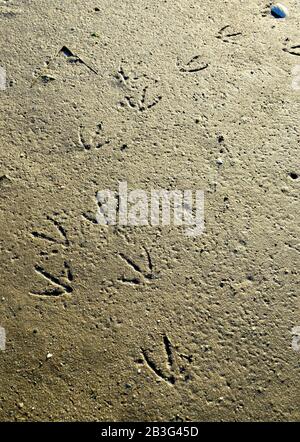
(228, 34)
(56, 285)
(291, 48)
(167, 363)
(60, 65)
(195, 64)
(142, 272)
(93, 137)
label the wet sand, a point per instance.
(130, 323)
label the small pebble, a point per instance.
(279, 11)
(49, 356)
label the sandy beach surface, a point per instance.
(145, 322)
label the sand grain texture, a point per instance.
(145, 323)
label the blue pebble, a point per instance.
(279, 11)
